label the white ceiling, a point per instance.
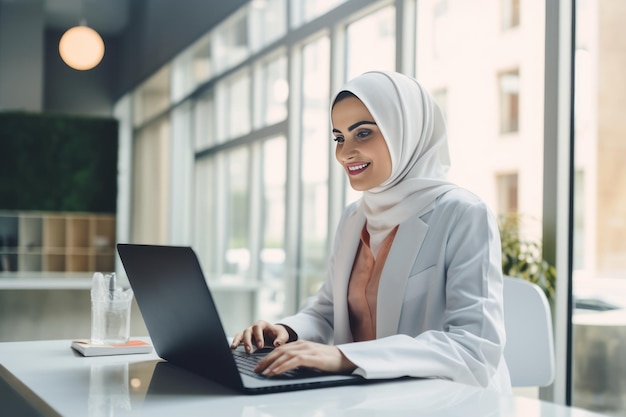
(109, 17)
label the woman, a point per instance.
(414, 285)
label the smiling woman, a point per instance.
(414, 286)
(361, 150)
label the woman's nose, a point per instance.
(347, 151)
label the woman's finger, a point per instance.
(258, 330)
(278, 361)
(236, 341)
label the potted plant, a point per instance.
(523, 257)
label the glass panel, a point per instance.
(503, 169)
(237, 212)
(303, 11)
(441, 97)
(442, 34)
(152, 97)
(230, 42)
(268, 22)
(272, 91)
(599, 279)
(272, 256)
(205, 243)
(234, 106)
(191, 68)
(239, 106)
(316, 142)
(204, 119)
(371, 43)
(482, 76)
(151, 177)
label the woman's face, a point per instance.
(361, 147)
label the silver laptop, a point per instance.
(185, 328)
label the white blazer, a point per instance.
(439, 308)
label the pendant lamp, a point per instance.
(81, 47)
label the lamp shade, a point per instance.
(81, 48)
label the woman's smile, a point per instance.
(355, 169)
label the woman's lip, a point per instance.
(355, 169)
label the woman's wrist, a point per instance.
(293, 336)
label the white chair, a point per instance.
(529, 350)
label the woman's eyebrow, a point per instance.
(357, 124)
(354, 126)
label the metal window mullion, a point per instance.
(336, 177)
(557, 195)
(181, 176)
(293, 192)
(221, 185)
(256, 190)
(405, 36)
(123, 112)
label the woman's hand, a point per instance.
(260, 334)
(304, 353)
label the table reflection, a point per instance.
(119, 388)
(159, 388)
(108, 389)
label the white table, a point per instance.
(49, 378)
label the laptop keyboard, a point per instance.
(247, 362)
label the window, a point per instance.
(271, 92)
(230, 42)
(442, 34)
(510, 13)
(237, 214)
(375, 32)
(204, 120)
(479, 97)
(152, 97)
(268, 22)
(582, 254)
(151, 179)
(509, 101)
(191, 68)
(272, 253)
(315, 158)
(206, 216)
(303, 11)
(599, 267)
(233, 111)
(507, 193)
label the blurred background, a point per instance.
(206, 124)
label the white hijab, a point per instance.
(414, 129)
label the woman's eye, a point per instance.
(339, 139)
(362, 134)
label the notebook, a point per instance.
(184, 325)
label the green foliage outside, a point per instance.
(523, 258)
(58, 162)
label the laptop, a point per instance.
(184, 325)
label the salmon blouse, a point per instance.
(363, 286)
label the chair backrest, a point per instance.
(529, 350)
